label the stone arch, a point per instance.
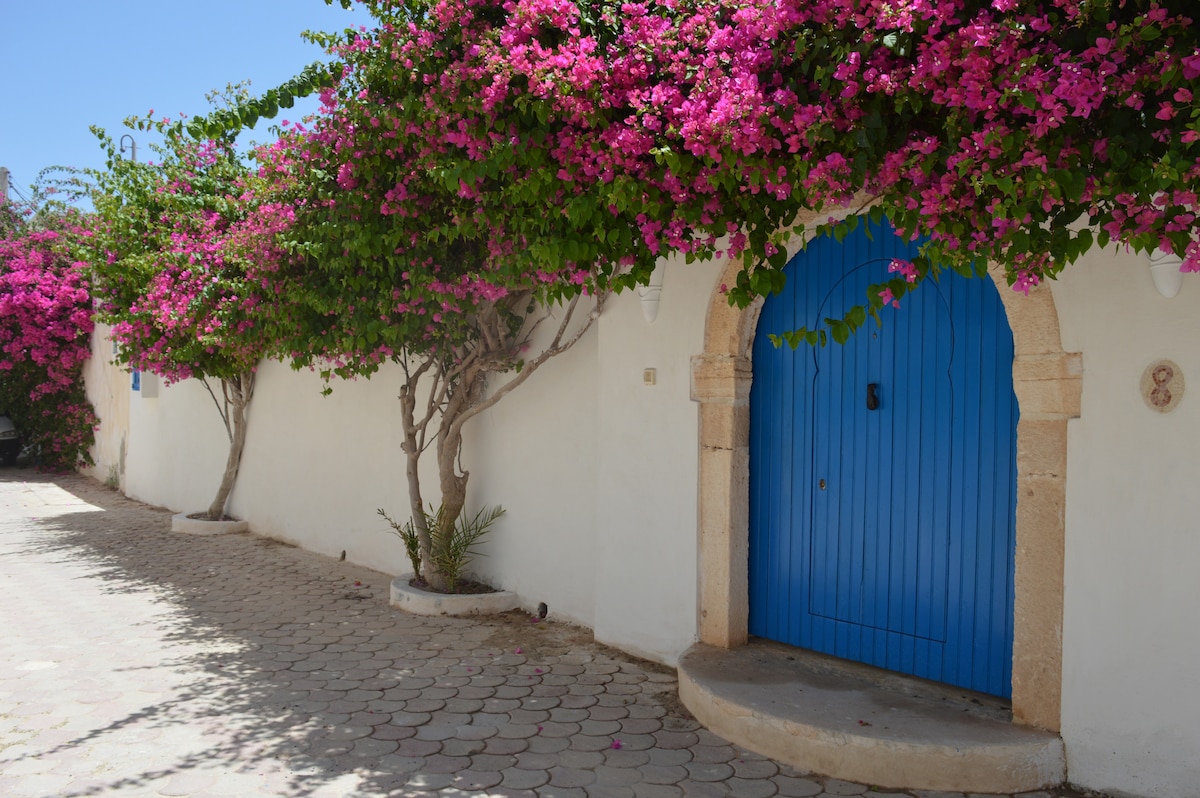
(1047, 382)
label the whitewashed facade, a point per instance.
(601, 476)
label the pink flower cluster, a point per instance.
(45, 336)
(654, 126)
(184, 290)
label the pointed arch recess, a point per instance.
(1048, 384)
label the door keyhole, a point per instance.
(822, 484)
(872, 397)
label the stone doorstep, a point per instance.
(198, 526)
(859, 724)
(421, 602)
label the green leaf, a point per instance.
(1085, 239)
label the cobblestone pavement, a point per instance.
(139, 662)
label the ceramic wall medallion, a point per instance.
(1162, 385)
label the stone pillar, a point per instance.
(1048, 383)
(721, 384)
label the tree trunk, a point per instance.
(461, 397)
(238, 392)
(412, 461)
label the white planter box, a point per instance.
(199, 526)
(422, 602)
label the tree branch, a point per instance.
(222, 410)
(557, 346)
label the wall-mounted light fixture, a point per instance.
(651, 293)
(1164, 269)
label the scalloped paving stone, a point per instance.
(471, 780)
(604, 728)
(436, 732)
(570, 777)
(583, 742)
(410, 718)
(551, 728)
(517, 730)
(751, 788)
(426, 780)
(494, 762)
(608, 713)
(519, 779)
(505, 746)
(493, 720)
(713, 753)
(415, 747)
(373, 747)
(459, 747)
(610, 791)
(701, 789)
(748, 769)
(625, 759)
(320, 688)
(662, 774)
(708, 771)
(444, 718)
(796, 787)
(391, 732)
(369, 718)
(440, 763)
(549, 745)
(529, 716)
(666, 756)
(655, 711)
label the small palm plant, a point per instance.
(450, 551)
(412, 546)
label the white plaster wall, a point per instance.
(1131, 639)
(647, 543)
(597, 471)
(534, 453)
(177, 445)
(108, 388)
(316, 468)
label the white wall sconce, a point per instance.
(651, 293)
(1164, 270)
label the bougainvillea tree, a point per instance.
(45, 334)
(395, 263)
(1013, 132)
(177, 259)
(477, 151)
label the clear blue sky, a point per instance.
(68, 64)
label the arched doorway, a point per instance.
(883, 471)
(1047, 382)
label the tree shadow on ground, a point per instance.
(296, 676)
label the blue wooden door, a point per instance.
(883, 472)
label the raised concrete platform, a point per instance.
(861, 724)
